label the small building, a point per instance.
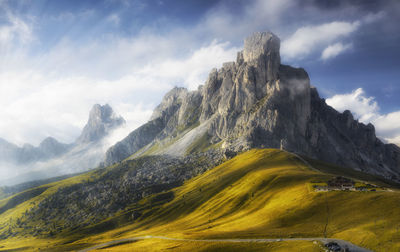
(341, 183)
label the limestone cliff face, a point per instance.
(258, 102)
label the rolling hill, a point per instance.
(261, 193)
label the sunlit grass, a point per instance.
(258, 194)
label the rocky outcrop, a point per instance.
(134, 141)
(102, 120)
(258, 102)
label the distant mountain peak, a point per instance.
(52, 158)
(48, 141)
(50, 147)
(102, 119)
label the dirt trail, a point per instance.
(342, 243)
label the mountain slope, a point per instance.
(257, 102)
(266, 193)
(258, 194)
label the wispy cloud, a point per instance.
(114, 19)
(310, 38)
(334, 50)
(328, 38)
(15, 31)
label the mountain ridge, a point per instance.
(257, 102)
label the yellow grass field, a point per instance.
(262, 193)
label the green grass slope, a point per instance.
(258, 194)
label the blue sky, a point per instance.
(58, 58)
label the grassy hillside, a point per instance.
(258, 194)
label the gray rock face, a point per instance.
(102, 120)
(258, 102)
(134, 141)
(262, 51)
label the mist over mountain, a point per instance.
(257, 102)
(102, 120)
(52, 158)
(28, 153)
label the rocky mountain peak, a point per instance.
(260, 44)
(100, 114)
(102, 120)
(175, 96)
(257, 102)
(261, 50)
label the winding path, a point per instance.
(342, 243)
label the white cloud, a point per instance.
(15, 31)
(51, 95)
(309, 38)
(334, 50)
(366, 109)
(114, 19)
(259, 15)
(363, 108)
(373, 17)
(327, 37)
(193, 71)
(388, 125)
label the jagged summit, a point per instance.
(102, 119)
(262, 50)
(169, 98)
(257, 102)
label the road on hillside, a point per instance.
(343, 244)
